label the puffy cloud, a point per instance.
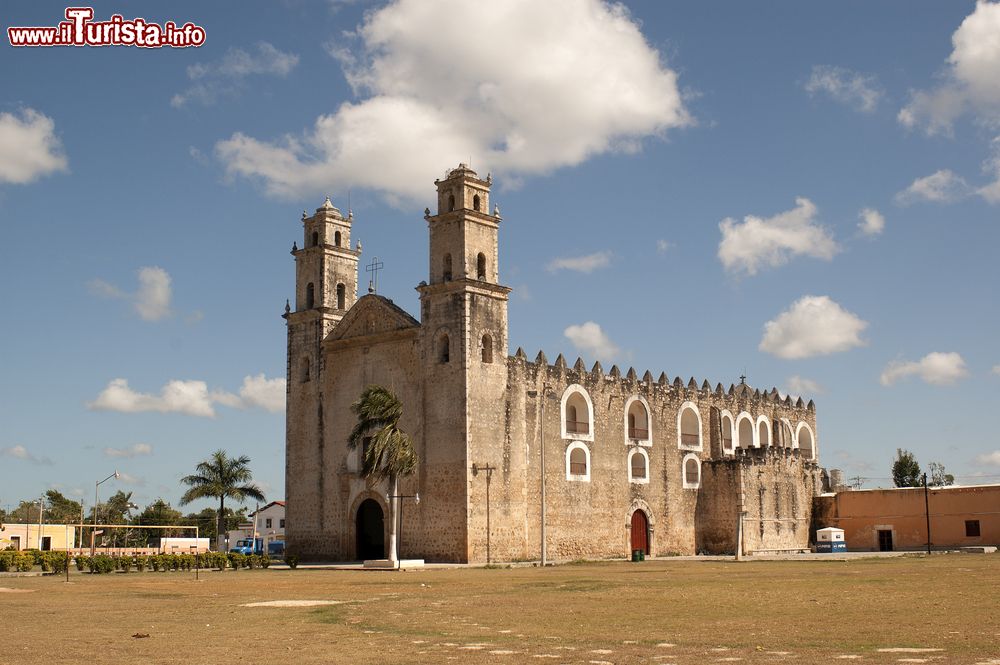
(588, 263)
(29, 147)
(537, 87)
(859, 91)
(191, 398)
(989, 459)
(21, 453)
(187, 397)
(227, 77)
(796, 385)
(135, 450)
(589, 338)
(940, 187)
(971, 81)
(151, 299)
(662, 246)
(991, 192)
(941, 369)
(872, 222)
(767, 242)
(812, 326)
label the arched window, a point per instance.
(744, 431)
(304, 370)
(691, 472)
(475, 202)
(577, 414)
(487, 349)
(727, 433)
(451, 202)
(444, 349)
(689, 427)
(786, 437)
(341, 296)
(336, 238)
(315, 238)
(446, 268)
(310, 295)
(637, 423)
(638, 466)
(807, 442)
(763, 432)
(481, 266)
(577, 462)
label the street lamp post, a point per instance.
(41, 510)
(541, 436)
(399, 536)
(97, 485)
(476, 468)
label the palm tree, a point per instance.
(388, 452)
(222, 477)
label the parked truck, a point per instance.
(248, 546)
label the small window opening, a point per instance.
(341, 296)
(638, 464)
(267, 522)
(304, 374)
(451, 202)
(487, 349)
(336, 238)
(690, 431)
(444, 349)
(638, 422)
(691, 472)
(475, 202)
(578, 462)
(727, 434)
(971, 528)
(315, 238)
(481, 266)
(447, 268)
(577, 415)
(310, 295)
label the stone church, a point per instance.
(519, 459)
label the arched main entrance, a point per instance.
(370, 529)
(640, 531)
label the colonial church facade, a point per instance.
(519, 458)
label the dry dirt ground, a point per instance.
(939, 609)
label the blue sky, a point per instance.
(807, 193)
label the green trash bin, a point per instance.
(636, 556)
(642, 555)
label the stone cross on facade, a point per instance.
(373, 268)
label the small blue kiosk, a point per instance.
(830, 539)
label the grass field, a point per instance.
(653, 612)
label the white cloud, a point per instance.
(662, 246)
(859, 91)
(941, 369)
(152, 297)
(812, 326)
(129, 479)
(21, 453)
(762, 242)
(797, 385)
(135, 450)
(940, 187)
(191, 397)
(872, 222)
(187, 397)
(589, 338)
(29, 147)
(971, 80)
(227, 77)
(989, 459)
(588, 263)
(991, 192)
(535, 87)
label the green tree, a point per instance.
(938, 477)
(60, 509)
(160, 512)
(387, 452)
(221, 477)
(905, 470)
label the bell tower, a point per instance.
(326, 286)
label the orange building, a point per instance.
(896, 519)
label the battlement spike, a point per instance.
(678, 383)
(647, 377)
(718, 389)
(631, 375)
(560, 362)
(692, 384)
(597, 370)
(541, 359)
(615, 373)
(799, 404)
(706, 386)
(811, 405)
(520, 355)
(579, 366)
(663, 380)
(732, 389)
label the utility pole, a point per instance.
(541, 394)
(489, 474)
(927, 513)
(41, 509)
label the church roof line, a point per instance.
(561, 369)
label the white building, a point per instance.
(270, 524)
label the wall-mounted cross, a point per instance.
(373, 268)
